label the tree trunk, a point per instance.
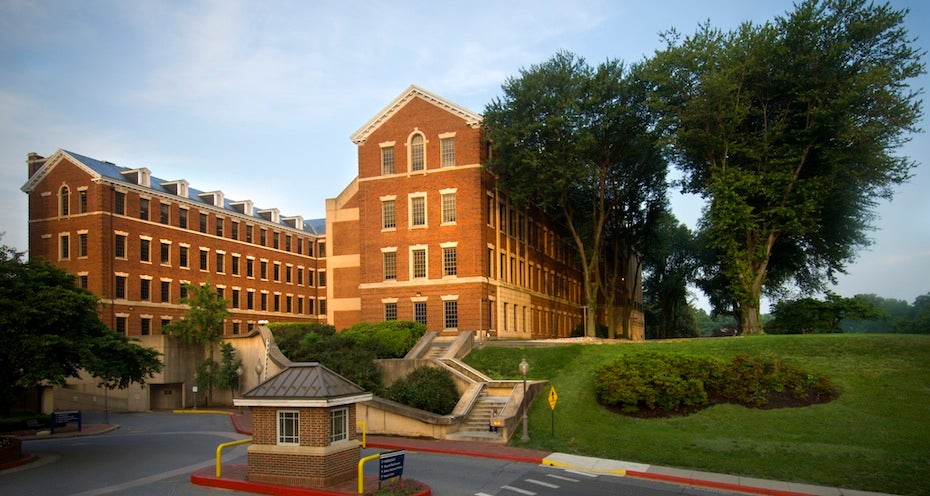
(749, 320)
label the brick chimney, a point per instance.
(34, 162)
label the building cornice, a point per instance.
(472, 119)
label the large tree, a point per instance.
(577, 142)
(50, 330)
(670, 263)
(789, 130)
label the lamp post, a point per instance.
(524, 368)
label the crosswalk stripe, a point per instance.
(586, 474)
(541, 483)
(518, 490)
(482, 494)
(560, 477)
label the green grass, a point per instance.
(874, 437)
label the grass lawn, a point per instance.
(874, 437)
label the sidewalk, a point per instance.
(693, 478)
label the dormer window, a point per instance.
(178, 187)
(243, 207)
(141, 176)
(270, 214)
(294, 222)
(214, 198)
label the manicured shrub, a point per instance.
(641, 383)
(393, 338)
(427, 388)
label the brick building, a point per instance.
(423, 233)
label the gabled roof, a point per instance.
(306, 384)
(471, 118)
(110, 172)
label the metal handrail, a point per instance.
(219, 453)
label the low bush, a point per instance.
(394, 338)
(426, 388)
(664, 384)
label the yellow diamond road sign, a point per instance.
(553, 397)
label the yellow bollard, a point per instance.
(219, 453)
(361, 471)
(364, 429)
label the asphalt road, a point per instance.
(155, 453)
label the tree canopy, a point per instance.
(578, 142)
(50, 331)
(789, 130)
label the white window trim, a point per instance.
(345, 425)
(409, 145)
(278, 428)
(410, 197)
(412, 249)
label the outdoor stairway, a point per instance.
(465, 370)
(436, 349)
(475, 426)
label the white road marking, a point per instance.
(579, 472)
(518, 490)
(560, 477)
(541, 483)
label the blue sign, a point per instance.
(392, 464)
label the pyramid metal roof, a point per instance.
(306, 384)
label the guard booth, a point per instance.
(303, 427)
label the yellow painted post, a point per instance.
(364, 429)
(361, 471)
(219, 453)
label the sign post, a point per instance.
(391, 464)
(553, 398)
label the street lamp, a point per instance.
(524, 368)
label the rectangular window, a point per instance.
(82, 201)
(263, 270)
(390, 265)
(83, 281)
(300, 304)
(144, 208)
(164, 211)
(449, 261)
(448, 208)
(182, 292)
(300, 245)
(182, 218)
(419, 312)
(447, 151)
(145, 289)
(144, 250)
(418, 211)
(311, 277)
(248, 233)
(203, 222)
(275, 239)
(322, 307)
(287, 242)
(418, 265)
(388, 215)
(119, 206)
(250, 300)
(263, 237)
(322, 277)
(121, 325)
(204, 258)
(182, 256)
(288, 270)
(234, 230)
(339, 425)
(249, 267)
(235, 328)
(300, 276)
(287, 303)
(387, 160)
(82, 244)
(121, 287)
(390, 311)
(264, 301)
(235, 298)
(277, 272)
(289, 427)
(219, 227)
(322, 250)
(165, 253)
(220, 262)
(165, 291)
(120, 251)
(234, 265)
(451, 310)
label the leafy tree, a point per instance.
(789, 130)
(670, 264)
(895, 310)
(227, 377)
(202, 326)
(708, 323)
(807, 315)
(50, 330)
(918, 319)
(578, 143)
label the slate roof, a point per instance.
(305, 381)
(113, 173)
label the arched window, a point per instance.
(417, 153)
(64, 197)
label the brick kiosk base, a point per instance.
(303, 466)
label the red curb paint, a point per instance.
(716, 485)
(448, 451)
(27, 458)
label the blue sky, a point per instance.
(258, 99)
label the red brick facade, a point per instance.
(510, 276)
(137, 263)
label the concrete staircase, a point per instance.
(476, 425)
(437, 349)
